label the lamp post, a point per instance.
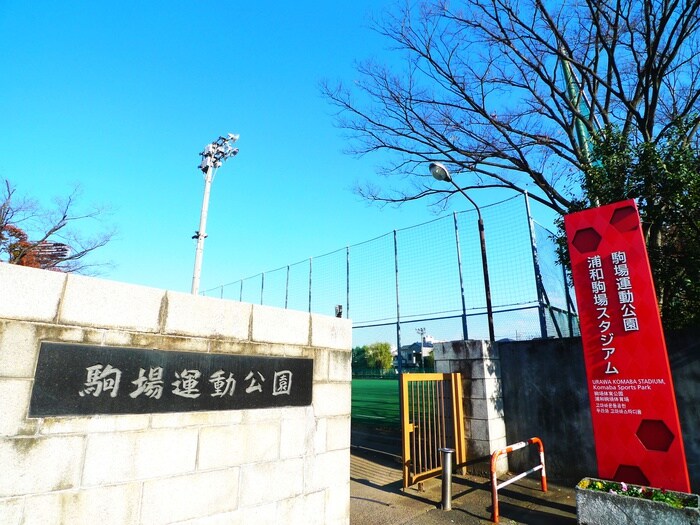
(213, 157)
(440, 172)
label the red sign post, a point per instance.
(633, 405)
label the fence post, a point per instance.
(310, 276)
(569, 302)
(262, 287)
(538, 273)
(461, 279)
(286, 290)
(347, 282)
(398, 312)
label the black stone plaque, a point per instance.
(76, 379)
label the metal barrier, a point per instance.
(447, 477)
(494, 481)
(432, 419)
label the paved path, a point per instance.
(376, 498)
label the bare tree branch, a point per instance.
(58, 239)
(482, 90)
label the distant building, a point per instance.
(412, 355)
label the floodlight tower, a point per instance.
(213, 157)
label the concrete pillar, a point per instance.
(485, 430)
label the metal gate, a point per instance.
(432, 417)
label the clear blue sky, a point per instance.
(121, 97)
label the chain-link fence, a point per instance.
(431, 276)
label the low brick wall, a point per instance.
(278, 465)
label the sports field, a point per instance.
(375, 402)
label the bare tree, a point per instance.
(48, 238)
(509, 92)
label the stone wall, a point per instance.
(545, 395)
(280, 465)
(485, 430)
(521, 389)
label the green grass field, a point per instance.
(375, 402)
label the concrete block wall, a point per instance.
(479, 364)
(546, 395)
(280, 465)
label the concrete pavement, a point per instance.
(377, 498)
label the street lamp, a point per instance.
(213, 157)
(440, 172)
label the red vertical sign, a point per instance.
(633, 405)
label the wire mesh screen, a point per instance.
(429, 279)
(251, 289)
(299, 282)
(511, 270)
(372, 277)
(275, 288)
(329, 282)
(560, 298)
(428, 271)
(509, 251)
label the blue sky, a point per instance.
(121, 97)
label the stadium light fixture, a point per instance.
(213, 157)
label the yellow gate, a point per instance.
(432, 418)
